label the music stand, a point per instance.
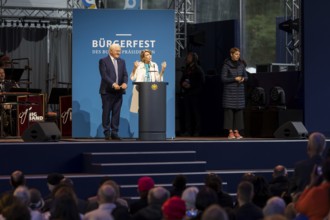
(56, 93)
(13, 90)
(13, 74)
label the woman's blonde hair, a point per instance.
(143, 52)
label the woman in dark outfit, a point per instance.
(233, 76)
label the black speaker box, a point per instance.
(42, 132)
(291, 129)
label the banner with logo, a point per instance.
(134, 30)
(66, 115)
(30, 110)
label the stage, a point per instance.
(86, 161)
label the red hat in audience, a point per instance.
(145, 183)
(174, 208)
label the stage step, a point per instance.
(144, 156)
(131, 162)
(171, 166)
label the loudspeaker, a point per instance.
(42, 132)
(291, 129)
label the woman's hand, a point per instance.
(136, 64)
(164, 66)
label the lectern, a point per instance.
(152, 110)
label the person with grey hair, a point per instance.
(301, 176)
(156, 197)
(189, 196)
(106, 197)
(113, 85)
(214, 212)
(22, 194)
(274, 205)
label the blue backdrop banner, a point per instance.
(134, 30)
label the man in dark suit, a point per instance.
(246, 208)
(113, 85)
(303, 169)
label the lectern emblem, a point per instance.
(154, 87)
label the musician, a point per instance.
(6, 85)
(6, 109)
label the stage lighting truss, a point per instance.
(277, 97)
(258, 98)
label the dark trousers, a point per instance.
(233, 119)
(111, 104)
(192, 114)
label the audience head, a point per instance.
(316, 144)
(36, 201)
(189, 196)
(22, 194)
(213, 181)
(158, 195)
(64, 205)
(290, 211)
(106, 194)
(245, 192)
(6, 200)
(145, 184)
(279, 170)
(67, 181)
(248, 177)
(206, 197)
(274, 205)
(214, 212)
(16, 210)
(174, 209)
(54, 179)
(17, 178)
(180, 182)
(114, 185)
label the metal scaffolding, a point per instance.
(185, 13)
(293, 40)
(39, 15)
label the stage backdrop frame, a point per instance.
(134, 30)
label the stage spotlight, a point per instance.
(258, 98)
(277, 97)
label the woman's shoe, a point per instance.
(237, 135)
(231, 135)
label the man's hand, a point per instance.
(124, 86)
(116, 86)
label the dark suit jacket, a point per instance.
(108, 74)
(249, 211)
(302, 173)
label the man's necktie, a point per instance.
(116, 69)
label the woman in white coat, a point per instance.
(144, 71)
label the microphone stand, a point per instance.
(28, 68)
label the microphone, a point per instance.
(153, 72)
